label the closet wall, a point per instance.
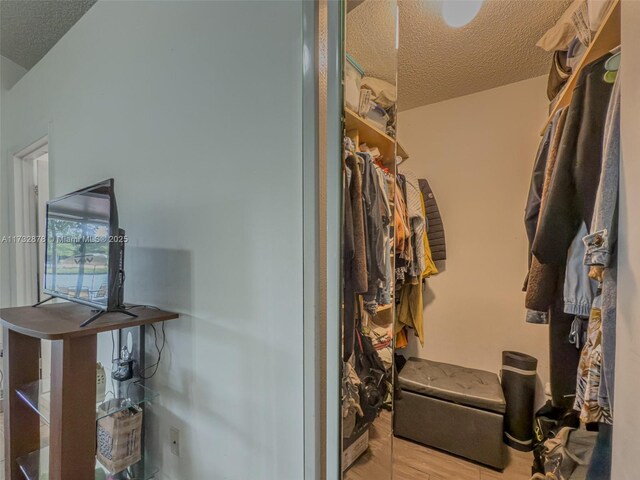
(11, 72)
(626, 448)
(477, 151)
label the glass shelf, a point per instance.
(37, 396)
(35, 466)
(126, 396)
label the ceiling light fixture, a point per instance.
(457, 13)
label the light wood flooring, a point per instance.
(412, 461)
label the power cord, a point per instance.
(159, 349)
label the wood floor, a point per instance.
(412, 461)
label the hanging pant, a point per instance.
(600, 466)
(564, 356)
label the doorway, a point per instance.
(31, 193)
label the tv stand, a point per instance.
(72, 408)
(104, 312)
(42, 301)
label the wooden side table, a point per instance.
(72, 444)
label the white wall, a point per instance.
(10, 73)
(477, 152)
(626, 447)
(195, 109)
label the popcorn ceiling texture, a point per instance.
(371, 38)
(29, 28)
(437, 62)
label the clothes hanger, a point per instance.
(612, 65)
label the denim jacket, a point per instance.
(579, 289)
(601, 244)
(602, 239)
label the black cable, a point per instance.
(159, 349)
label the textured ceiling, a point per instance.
(29, 28)
(371, 37)
(437, 62)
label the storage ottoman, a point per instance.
(456, 409)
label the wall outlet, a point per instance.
(174, 438)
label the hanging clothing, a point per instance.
(429, 265)
(601, 251)
(559, 74)
(404, 254)
(563, 355)
(374, 232)
(353, 250)
(410, 309)
(574, 185)
(590, 371)
(402, 232)
(579, 288)
(534, 198)
(595, 381)
(435, 226)
(356, 261)
(422, 263)
(384, 291)
(600, 466)
(601, 242)
(541, 283)
(401, 338)
(416, 221)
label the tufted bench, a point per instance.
(460, 410)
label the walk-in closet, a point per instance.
(480, 160)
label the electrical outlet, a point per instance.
(174, 438)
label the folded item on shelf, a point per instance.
(377, 115)
(575, 52)
(380, 337)
(574, 22)
(353, 74)
(382, 92)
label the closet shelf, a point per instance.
(606, 39)
(371, 135)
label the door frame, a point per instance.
(25, 209)
(322, 203)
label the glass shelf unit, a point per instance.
(35, 466)
(37, 396)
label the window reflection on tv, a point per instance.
(77, 253)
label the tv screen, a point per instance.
(81, 228)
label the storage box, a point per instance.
(353, 74)
(119, 437)
(359, 445)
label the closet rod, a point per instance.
(606, 39)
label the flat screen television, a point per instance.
(84, 254)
